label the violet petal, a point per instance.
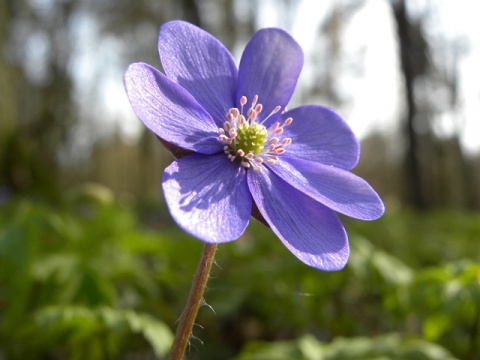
(199, 63)
(321, 135)
(208, 197)
(311, 231)
(336, 188)
(270, 67)
(169, 110)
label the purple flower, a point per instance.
(244, 150)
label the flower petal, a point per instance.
(311, 231)
(208, 197)
(336, 188)
(198, 62)
(170, 111)
(270, 67)
(321, 135)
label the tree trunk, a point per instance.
(414, 191)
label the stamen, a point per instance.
(254, 101)
(274, 111)
(243, 100)
(272, 159)
(249, 140)
(286, 141)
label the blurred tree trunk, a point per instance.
(192, 14)
(8, 101)
(412, 51)
(38, 111)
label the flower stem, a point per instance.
(195, 297)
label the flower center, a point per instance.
(251, 138)
(250, 141)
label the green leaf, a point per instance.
(157, 333)
(80, 327)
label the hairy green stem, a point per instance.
(194, 300)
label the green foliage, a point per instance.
(387, 347)
(71, 277)
(423, 238)
(98, 332)
(447, 301)
(88, 280)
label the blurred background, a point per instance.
(91, 265)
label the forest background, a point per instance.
(91, 265)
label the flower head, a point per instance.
(244, 150)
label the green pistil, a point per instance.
(251, 138)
